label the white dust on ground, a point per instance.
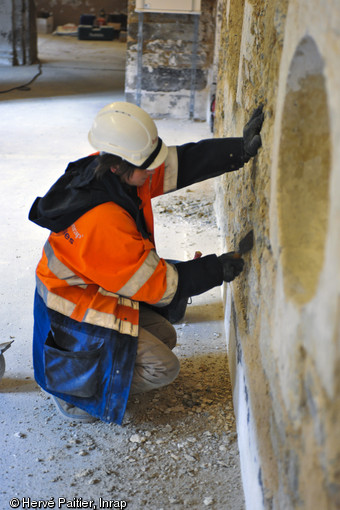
(177, 447)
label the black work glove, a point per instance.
(232, 265)
(251, 134)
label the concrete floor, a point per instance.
(42, 129)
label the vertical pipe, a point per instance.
(139, 59)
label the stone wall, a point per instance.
(167, 62)
(284, 311)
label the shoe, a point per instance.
(72, 412)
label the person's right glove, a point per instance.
(231, 266)
(251, 134)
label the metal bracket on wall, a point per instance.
(193, 62)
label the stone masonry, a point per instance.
(284, 311)
(167, 61)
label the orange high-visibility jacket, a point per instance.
(100, 267)
(96, 270)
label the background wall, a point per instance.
(69, 11)
(18, 33)
(284, 335)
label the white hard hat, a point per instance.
(127, 131)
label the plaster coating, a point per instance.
(304, 167)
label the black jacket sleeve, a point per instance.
(197, 276)
(208, 158)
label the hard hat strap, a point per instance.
(152, 156)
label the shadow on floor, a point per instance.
(8, 385)
(204, 313)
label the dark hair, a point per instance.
(106, 161)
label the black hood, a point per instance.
(77, 191)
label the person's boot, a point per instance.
(72, 412)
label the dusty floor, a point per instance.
(177, 447)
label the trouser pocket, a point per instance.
(73, 372)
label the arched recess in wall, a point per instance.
(303, 178)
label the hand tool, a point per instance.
(245, 245)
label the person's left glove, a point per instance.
(232, 265)
(251, 134)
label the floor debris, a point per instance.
(177, 447)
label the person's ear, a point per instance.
(113, 169)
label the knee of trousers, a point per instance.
(167, 371)
(173, 369)
(147, 377)
(172, 337)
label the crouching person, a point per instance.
(105, 301)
